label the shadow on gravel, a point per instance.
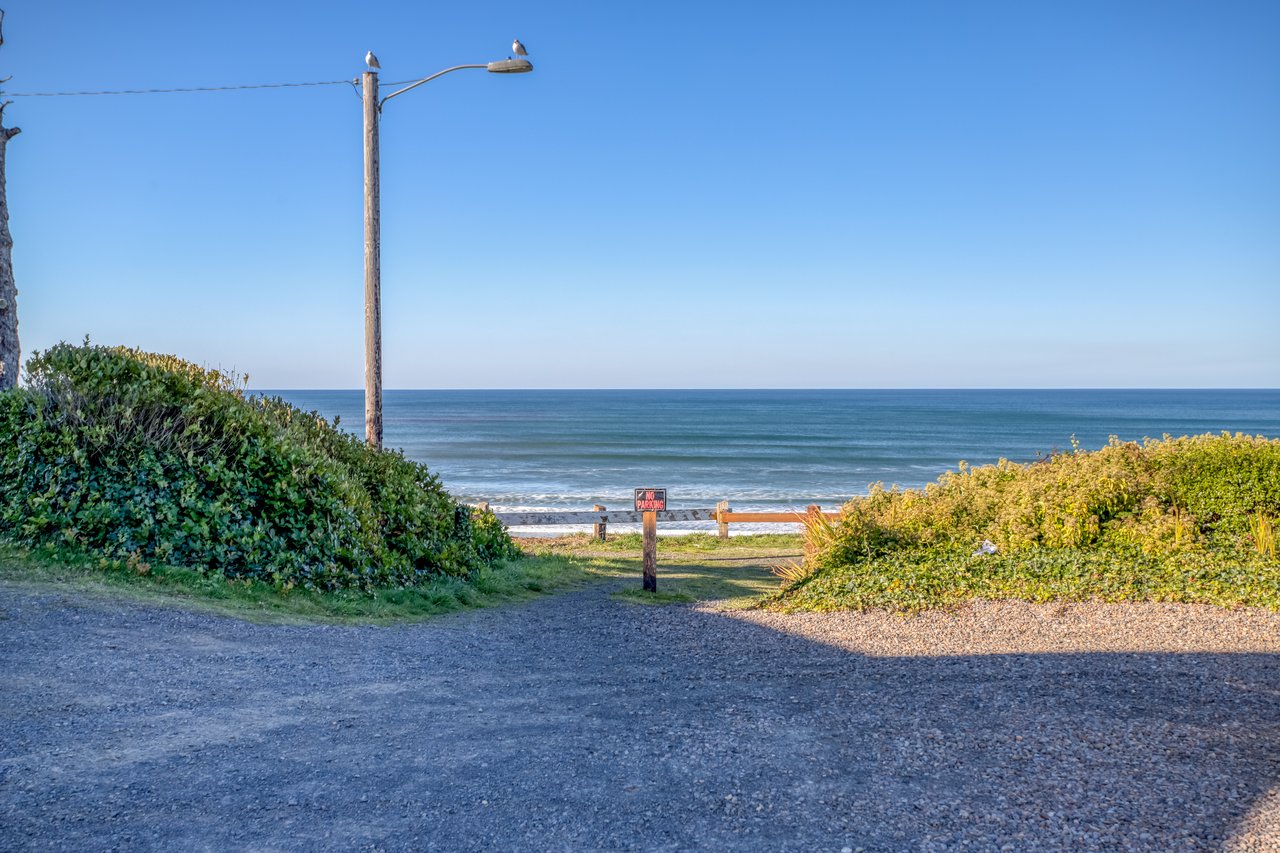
(1125, 751)
(579, 722)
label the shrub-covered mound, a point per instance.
(1178, 519)
(146, 457)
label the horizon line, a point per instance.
(825, 388)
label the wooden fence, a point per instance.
(600, 517)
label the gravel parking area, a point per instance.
(579, 722)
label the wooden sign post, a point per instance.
(650, 552)
(651, 502)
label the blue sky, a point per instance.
(853, 194)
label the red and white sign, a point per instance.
(651, 500)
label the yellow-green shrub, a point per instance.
(1160, 496)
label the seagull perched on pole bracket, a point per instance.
(518, 48)
(371, 61)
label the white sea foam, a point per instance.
(672, 528)
(680, 528)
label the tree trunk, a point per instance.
(9, 349)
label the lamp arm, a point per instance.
(426, 80)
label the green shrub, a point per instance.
(143, 456)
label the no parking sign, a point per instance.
(651, 500)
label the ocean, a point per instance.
(764, 450)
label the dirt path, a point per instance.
(582, 722)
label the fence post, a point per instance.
(599, 531)
(722, 526)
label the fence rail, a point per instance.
(601, 517)
(614, 516)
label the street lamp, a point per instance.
(372, 261)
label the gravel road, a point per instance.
(579, 722)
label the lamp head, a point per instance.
(510, 66)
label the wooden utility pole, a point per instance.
(10, 351)
(372, 275)
(372, 269)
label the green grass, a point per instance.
(706, 543)
(694, 568)
(504, 583)
(691, 569)
(637, 595)
(764, 544)
(735, 585)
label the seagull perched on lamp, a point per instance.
(371, 61)
(518, 48)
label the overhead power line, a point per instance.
(190, 89)
(161, 91)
